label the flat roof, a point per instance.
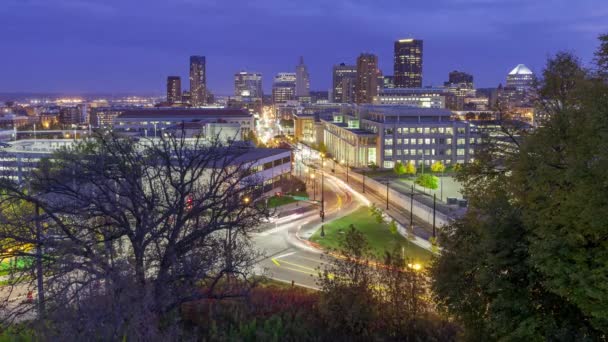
(357, 131)
(401, 110)
(193, 113)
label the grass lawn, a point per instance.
(8, 265)
(276, 201)
(379, 238)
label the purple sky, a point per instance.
(131, 46)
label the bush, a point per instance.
(428, 181)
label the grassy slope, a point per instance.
(379, 237)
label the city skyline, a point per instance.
(102, 54)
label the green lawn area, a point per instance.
(8, 265)
(379, 238)
(275, 201)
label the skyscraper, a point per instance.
(174, 89)
(520, 78)
(366, 86)
(460, 85)
(408, 63)
(343, 84)
(459, 77)
(302, 79)
(284, 87)
(198, 81)
(248, 84)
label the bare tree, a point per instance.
(132, 229)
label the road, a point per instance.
(288, 255)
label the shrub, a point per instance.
(428, 181)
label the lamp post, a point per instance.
(387, 182)
(442, 175)
(412, 209)
(314, 186)
(322, 213)
(363, 181)
(434, 204)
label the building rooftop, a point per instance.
(521, 69)
(399, 110)
(183, 113)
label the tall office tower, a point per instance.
(408, 63)
(520, 78)
(366, 86)
(284, 87)
(302, 79)
(459, 77)
(174, 89)
(343, 89)
(198, 81)
(460, 85)
(248, 84)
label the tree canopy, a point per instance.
(528, 261)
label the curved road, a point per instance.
(288, 256)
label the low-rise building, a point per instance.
(414, 97)
(268, 166)
(152, 122)
(387, 134)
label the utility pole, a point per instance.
(387, 181)
(412, 209)
(363, 181)
(434, 205)
(322, 197)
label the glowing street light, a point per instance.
(415, 267)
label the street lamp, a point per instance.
(363, 181)
(314, 186)
(434, 207)
(387, 182)
(412, 209)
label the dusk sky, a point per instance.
(132, 46)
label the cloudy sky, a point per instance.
(132, 45)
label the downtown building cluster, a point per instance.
(367, 117)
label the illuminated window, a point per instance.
(460, 152)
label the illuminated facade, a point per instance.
(174, 89)
(343, 83)
(284, 87)
(408, 63)
(366, 85)
(387, 134)
(415, 97)
(198, 81)
(248, 84)
(520, 78)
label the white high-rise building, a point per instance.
(520, 78)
